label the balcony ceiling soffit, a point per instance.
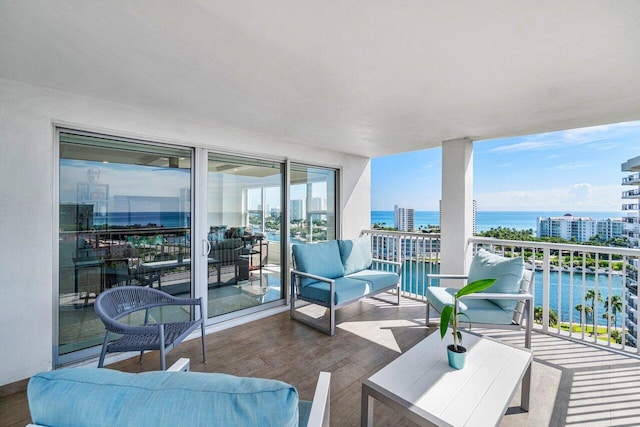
(370, 78)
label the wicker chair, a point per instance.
(116, 303)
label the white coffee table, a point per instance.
(422, 387)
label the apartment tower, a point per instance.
(631, 204)
(632, 181)
(403, 218)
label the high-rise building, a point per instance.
(632, 220)
(318, 204)
(297, 212)
(632, 232)
(580, 229)
(403, 218)
(275, 212)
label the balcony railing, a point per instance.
(631, 179)
(631, 194)
(567, 278)
(631, 207)
(420, 253)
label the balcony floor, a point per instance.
(572, 383)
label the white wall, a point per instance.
(27, 117)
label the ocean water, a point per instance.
(160, 219)
(520, 220)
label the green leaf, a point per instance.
(445, 318)
(473, 287)
(465, 315)
(459, 336)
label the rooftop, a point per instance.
(573, 383)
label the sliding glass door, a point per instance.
(124, 219)
(128, 210)
(244, 205)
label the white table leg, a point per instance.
(526, 390)
(366, 410)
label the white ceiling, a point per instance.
(370, 77)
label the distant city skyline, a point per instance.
(573, 170)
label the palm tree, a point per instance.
(612, 308)
(587, 312)
(553, 316)
(595, 297)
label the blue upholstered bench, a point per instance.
(337, 273)
(85, 396)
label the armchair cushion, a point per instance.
(507, 272)
(347, 289)
(377, 279)
(355, 254)
(321, 259)
(478, 310)
(89, 396)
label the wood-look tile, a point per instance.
(369, 335)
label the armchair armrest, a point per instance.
(311, 276)
(493, 295)
(181, 365)
(319, 415)
(447, 276)
(396, 266)
(384, 261)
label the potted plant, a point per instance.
(456, 352)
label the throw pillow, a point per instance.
(355, 254)
(507, 272)
(321, 259)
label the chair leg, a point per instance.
(163, 364)
(204, 351)
(103, 353)
(529, 311)
(332, 320)
(428, 323)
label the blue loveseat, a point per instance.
(104, 397)
(337, 273)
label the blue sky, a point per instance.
(574, 170)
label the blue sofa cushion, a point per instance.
(377, 279)
(355, 254)
(507, 272)
(347, 289)
(322, 259)
(82, 396)
(478, 310)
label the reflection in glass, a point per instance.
(313, 204)
(125, 220)
(244, 199)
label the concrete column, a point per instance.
(457, 206)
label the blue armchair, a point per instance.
(504, 305)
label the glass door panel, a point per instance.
(125, 220)
(244, 199)
(313, 204)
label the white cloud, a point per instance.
(572, 137)
(575, 198)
